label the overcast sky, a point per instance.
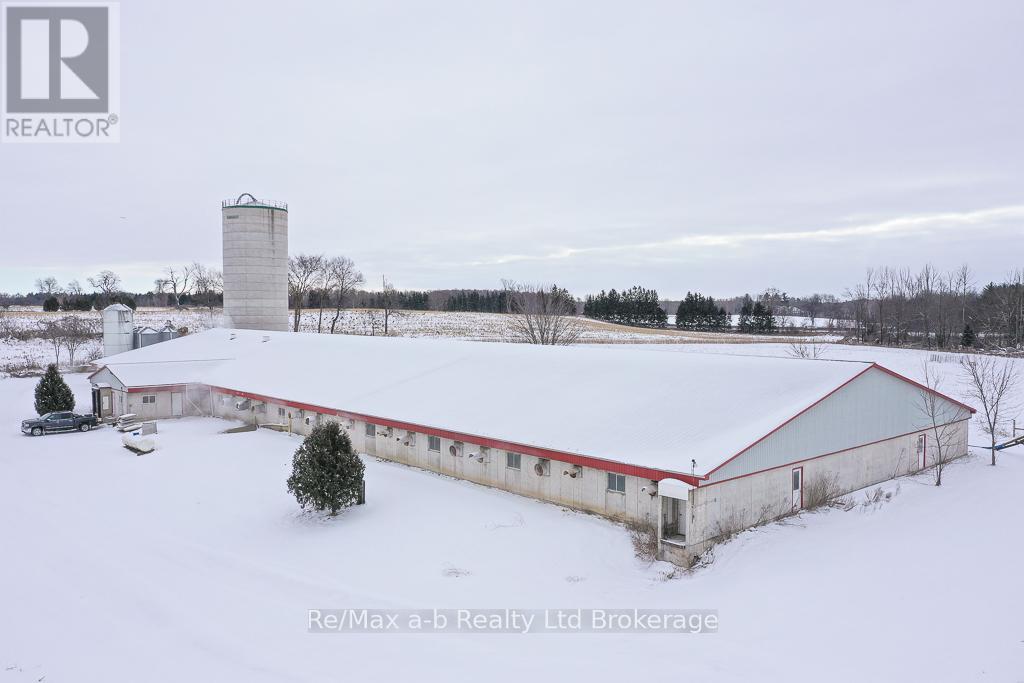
(721, 147)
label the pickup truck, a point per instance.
(58, 422)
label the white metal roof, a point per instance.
(633, 406)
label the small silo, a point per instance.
(255, 263)
(118, 327)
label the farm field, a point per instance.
(36, 352)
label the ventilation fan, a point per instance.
(453, 451)
(243, 404)
(542, 468)
(573, 471)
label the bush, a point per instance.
(53, 393)
(51, 304)
(822, 490)
(326, 473)
(644, 537)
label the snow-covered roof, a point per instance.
(162, 373)
(631, 406)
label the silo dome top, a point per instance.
(246, 200)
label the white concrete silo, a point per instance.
(255, 263)
(118, 326)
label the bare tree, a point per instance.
(75, 332)
(344, 279)
(941, 417)
(387, 302)
(207, 285)
(804, 350)
(74, 288)
(304, 271)
(991, 384)
(48, 286)
(178, 282)
(53, 332)
(963, 282)
(541, 316)
(107, 283)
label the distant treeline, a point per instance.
(634, 306)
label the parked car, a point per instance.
(58, 422)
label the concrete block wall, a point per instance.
(587, 491)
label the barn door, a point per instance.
(922, 451)
(798, 488)
(176, 405)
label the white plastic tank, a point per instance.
(118, 325)
(255, 263)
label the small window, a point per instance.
(371, 429)
(616, 482)
(513, 461)
(280, 412)
(796, 479)
(148, 398)
(434, 443)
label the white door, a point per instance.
(798, 488)
(176, 405)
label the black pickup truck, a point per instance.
(58, 422)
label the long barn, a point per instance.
(696, 445)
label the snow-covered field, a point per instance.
(39, 352)
(193, 563)
(456, 325)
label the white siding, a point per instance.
(872, 407)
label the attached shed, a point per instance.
(698, 445)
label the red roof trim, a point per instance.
(497, 444)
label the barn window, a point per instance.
(616, 482)
(513, 461)
(371, 429)
(149, 398)
(280, 412)
(434, 443)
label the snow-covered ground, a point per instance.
(193, 563)
(456, 325)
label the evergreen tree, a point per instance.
(967, 337)
(51, 304)
(53, 393)
(745, 323)
(634, 306)
(326, 473)
(761, 319)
